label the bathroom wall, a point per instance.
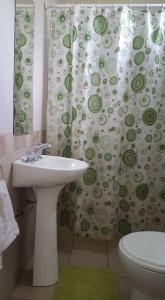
(12, 147)
(16, 256)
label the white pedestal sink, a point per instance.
(47, 176)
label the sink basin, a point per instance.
(47, 172)
(47, 177)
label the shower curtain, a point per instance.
(106, 106)
(23, 71)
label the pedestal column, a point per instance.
(45, 271)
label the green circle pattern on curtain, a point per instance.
(106, 105)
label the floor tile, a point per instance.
(65, 244)
(113, 258)
(65, 238)
(89, 252)
(63, 258)
(82, 252)
(88, 258)
(25, 291)
(90, 244)
(125, 288)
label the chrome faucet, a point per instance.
(36, 153)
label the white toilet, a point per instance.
(143, 256)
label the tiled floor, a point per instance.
(83, 252)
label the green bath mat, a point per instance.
(81, 283)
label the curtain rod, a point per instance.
(146, 5)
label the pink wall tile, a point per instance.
(2, 144)
(19, 142)
(10, 143)
(6, 143)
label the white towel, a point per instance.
(8, 226)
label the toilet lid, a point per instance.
(146, 249)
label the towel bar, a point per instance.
(2, 172)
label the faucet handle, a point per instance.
(37, 146)
(29, 156)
